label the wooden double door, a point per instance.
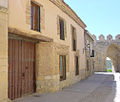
(21, 68)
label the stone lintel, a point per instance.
(30, 34)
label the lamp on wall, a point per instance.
(87, 46)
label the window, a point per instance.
(93, 64)
(74, 38)
(62, 66)
(77, 66)
(92, 53)
(87, 65)
(35, 17)
(61, 26)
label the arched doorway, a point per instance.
(113, 53)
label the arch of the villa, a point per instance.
(104, 50)
(113, 52)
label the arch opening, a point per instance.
(109, 65)
(113, 55)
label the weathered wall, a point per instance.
(88, 52)
(46, 72)
(3, 51)
(50, 13)
(47, 64)
(100, 56)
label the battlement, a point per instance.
(108, 38)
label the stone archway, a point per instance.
(113, 52)
(107, 48)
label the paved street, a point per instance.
(100, 87)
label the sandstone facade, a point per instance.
(3, 51)
(16, 24)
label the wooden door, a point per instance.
(21, 68)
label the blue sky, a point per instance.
(100, 16)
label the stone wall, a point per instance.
(89, 46)
(3, 51)
(50, 45)
(46, 75)
(108, 47)
(47, 68)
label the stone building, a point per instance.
(3, 50)
(42, 47)
(104, 48)
(89, 51)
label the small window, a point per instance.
(62, 67)
(35, 17)
(87, 65)
(77, 66)
(92, 53)
(74, 38)
(61, 26)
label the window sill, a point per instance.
(62, 39)
(61, 80)
(36, 30)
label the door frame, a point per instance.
(22, 38)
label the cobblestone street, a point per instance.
(100, 87)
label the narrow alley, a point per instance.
(100, 87)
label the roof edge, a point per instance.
(67, 9)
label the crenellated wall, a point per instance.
(101, 37)
(107, 47)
